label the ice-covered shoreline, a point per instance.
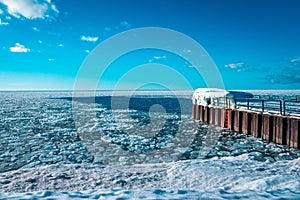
(223, 177)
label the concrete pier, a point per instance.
(276, 127)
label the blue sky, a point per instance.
(255, 44)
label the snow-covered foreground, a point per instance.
(227, 177)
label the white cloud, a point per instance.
(159, 57)
(89, 38)
(186, 51)
(36, 29)
(294, 60)
(125, 24)
(60, 45)
(31, 9)
(51, 59)
(87, 51)
(40, 41)
(3, 23)
(53, 33)
(107, 29)
(235, 65)
(19, 48)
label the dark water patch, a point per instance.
(171, 105)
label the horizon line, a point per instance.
(72, 90)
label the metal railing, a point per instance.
(289, 105)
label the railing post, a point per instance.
(248, 102)
(284, 107)
(280, 108)
(262, 106)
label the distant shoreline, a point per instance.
(71, 90)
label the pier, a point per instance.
(272, 118)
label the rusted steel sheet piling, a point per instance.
(194, 111)
(275, 128)
(218, 116)
(283, 130)
(256, 124)
(294, 137)
(267, 130)
(212, 114)
(238, 121)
